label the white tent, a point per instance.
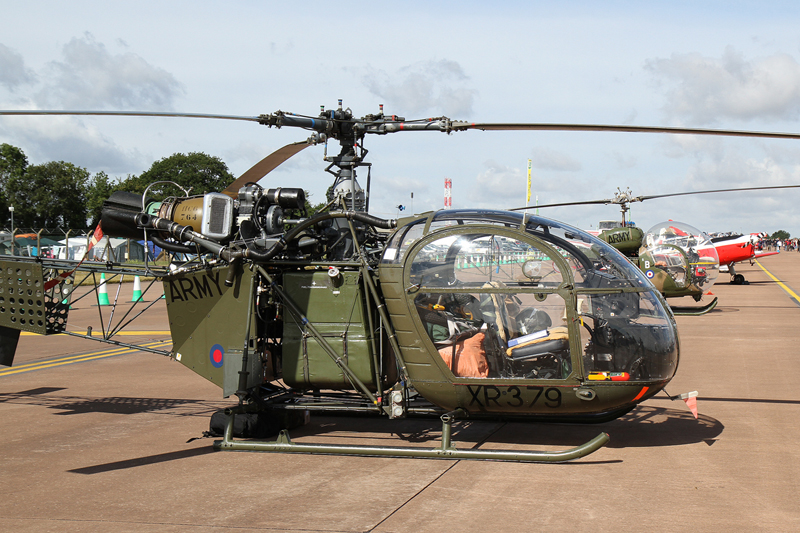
(102, 251)
(77, 247)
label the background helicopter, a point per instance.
(456, 313)
(677, 258)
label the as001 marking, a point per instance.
(484, 395)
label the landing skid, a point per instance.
(693, 311)
(446, 450)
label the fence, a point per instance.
(70, 244)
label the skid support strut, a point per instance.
(284, 444)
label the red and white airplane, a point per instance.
(734, 249)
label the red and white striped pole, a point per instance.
(448, 199)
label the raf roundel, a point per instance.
(650, 274)
(216, 355)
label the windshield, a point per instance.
(497, 303)
(662, 242)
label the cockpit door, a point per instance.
(492, 303)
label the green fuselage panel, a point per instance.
(208, 322)
(337, 309)
(627, 240)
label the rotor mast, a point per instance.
(340, 124)
(624, 199)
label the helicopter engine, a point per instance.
(267, 229)
(254, 221)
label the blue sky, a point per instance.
(723, 65)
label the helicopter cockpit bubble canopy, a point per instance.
(501, 298)
(700, 253)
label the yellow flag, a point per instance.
(528, 199)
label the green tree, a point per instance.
(13, 163)
(780, 234)
(199, 172)
(49, 195)
(98, 190)
(313, 208)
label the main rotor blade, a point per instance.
(587, 202)
(510, 126)
(265, 166)
(643, 198)
(456, 125)
(651, 197)
(19, 112)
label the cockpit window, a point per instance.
(493, 324)
(670, 259)
(686, 253)
(589, 257)
(475, 259)
(627, 337)
(405, 237)
(400, 241)
(493, 334)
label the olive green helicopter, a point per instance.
(455, 313)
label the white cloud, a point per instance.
(705, 90)
(403, 187)
(13, 72)
(68, 139)
(89, 76)
(439, 86)
(737, 171)
(623, 160)
(547, 159)
(497, 187)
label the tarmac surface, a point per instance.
(109, 441)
